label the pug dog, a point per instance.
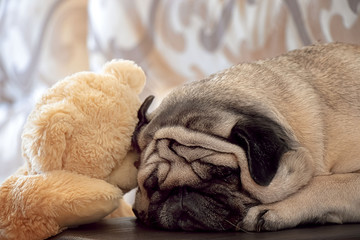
(260, 146)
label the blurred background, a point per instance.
(174, 41)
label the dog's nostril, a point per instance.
(184, 191)
(181, 190)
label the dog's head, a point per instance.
(205, 161)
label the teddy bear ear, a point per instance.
(128, 72)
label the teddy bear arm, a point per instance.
(45, 137)
(124, 210)
(87, 213)
(124, 174)
(85, 200)
(42, 205)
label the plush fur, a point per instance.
(76, 146)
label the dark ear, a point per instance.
(264, 142)
(143, 109)
(142, 119)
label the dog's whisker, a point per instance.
(237, 227)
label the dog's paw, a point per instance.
(268, 218)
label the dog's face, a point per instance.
(201, 157)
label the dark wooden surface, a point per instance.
(128, 228)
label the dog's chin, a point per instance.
(188, 210)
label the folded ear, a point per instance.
(264, 142)
(142, 119)
(143, 110)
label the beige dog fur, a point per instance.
(311, 96)
(76, 146)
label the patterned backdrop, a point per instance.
(174, 41)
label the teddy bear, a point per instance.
(76, 144)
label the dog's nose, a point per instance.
(187, 209)
(187, 212)
(179, 205)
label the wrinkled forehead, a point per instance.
(179, 156)
(194, 113)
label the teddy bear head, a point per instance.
(84, 124)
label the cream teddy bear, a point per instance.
(76, 146)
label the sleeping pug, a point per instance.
(260, 146)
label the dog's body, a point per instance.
(260, 146)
